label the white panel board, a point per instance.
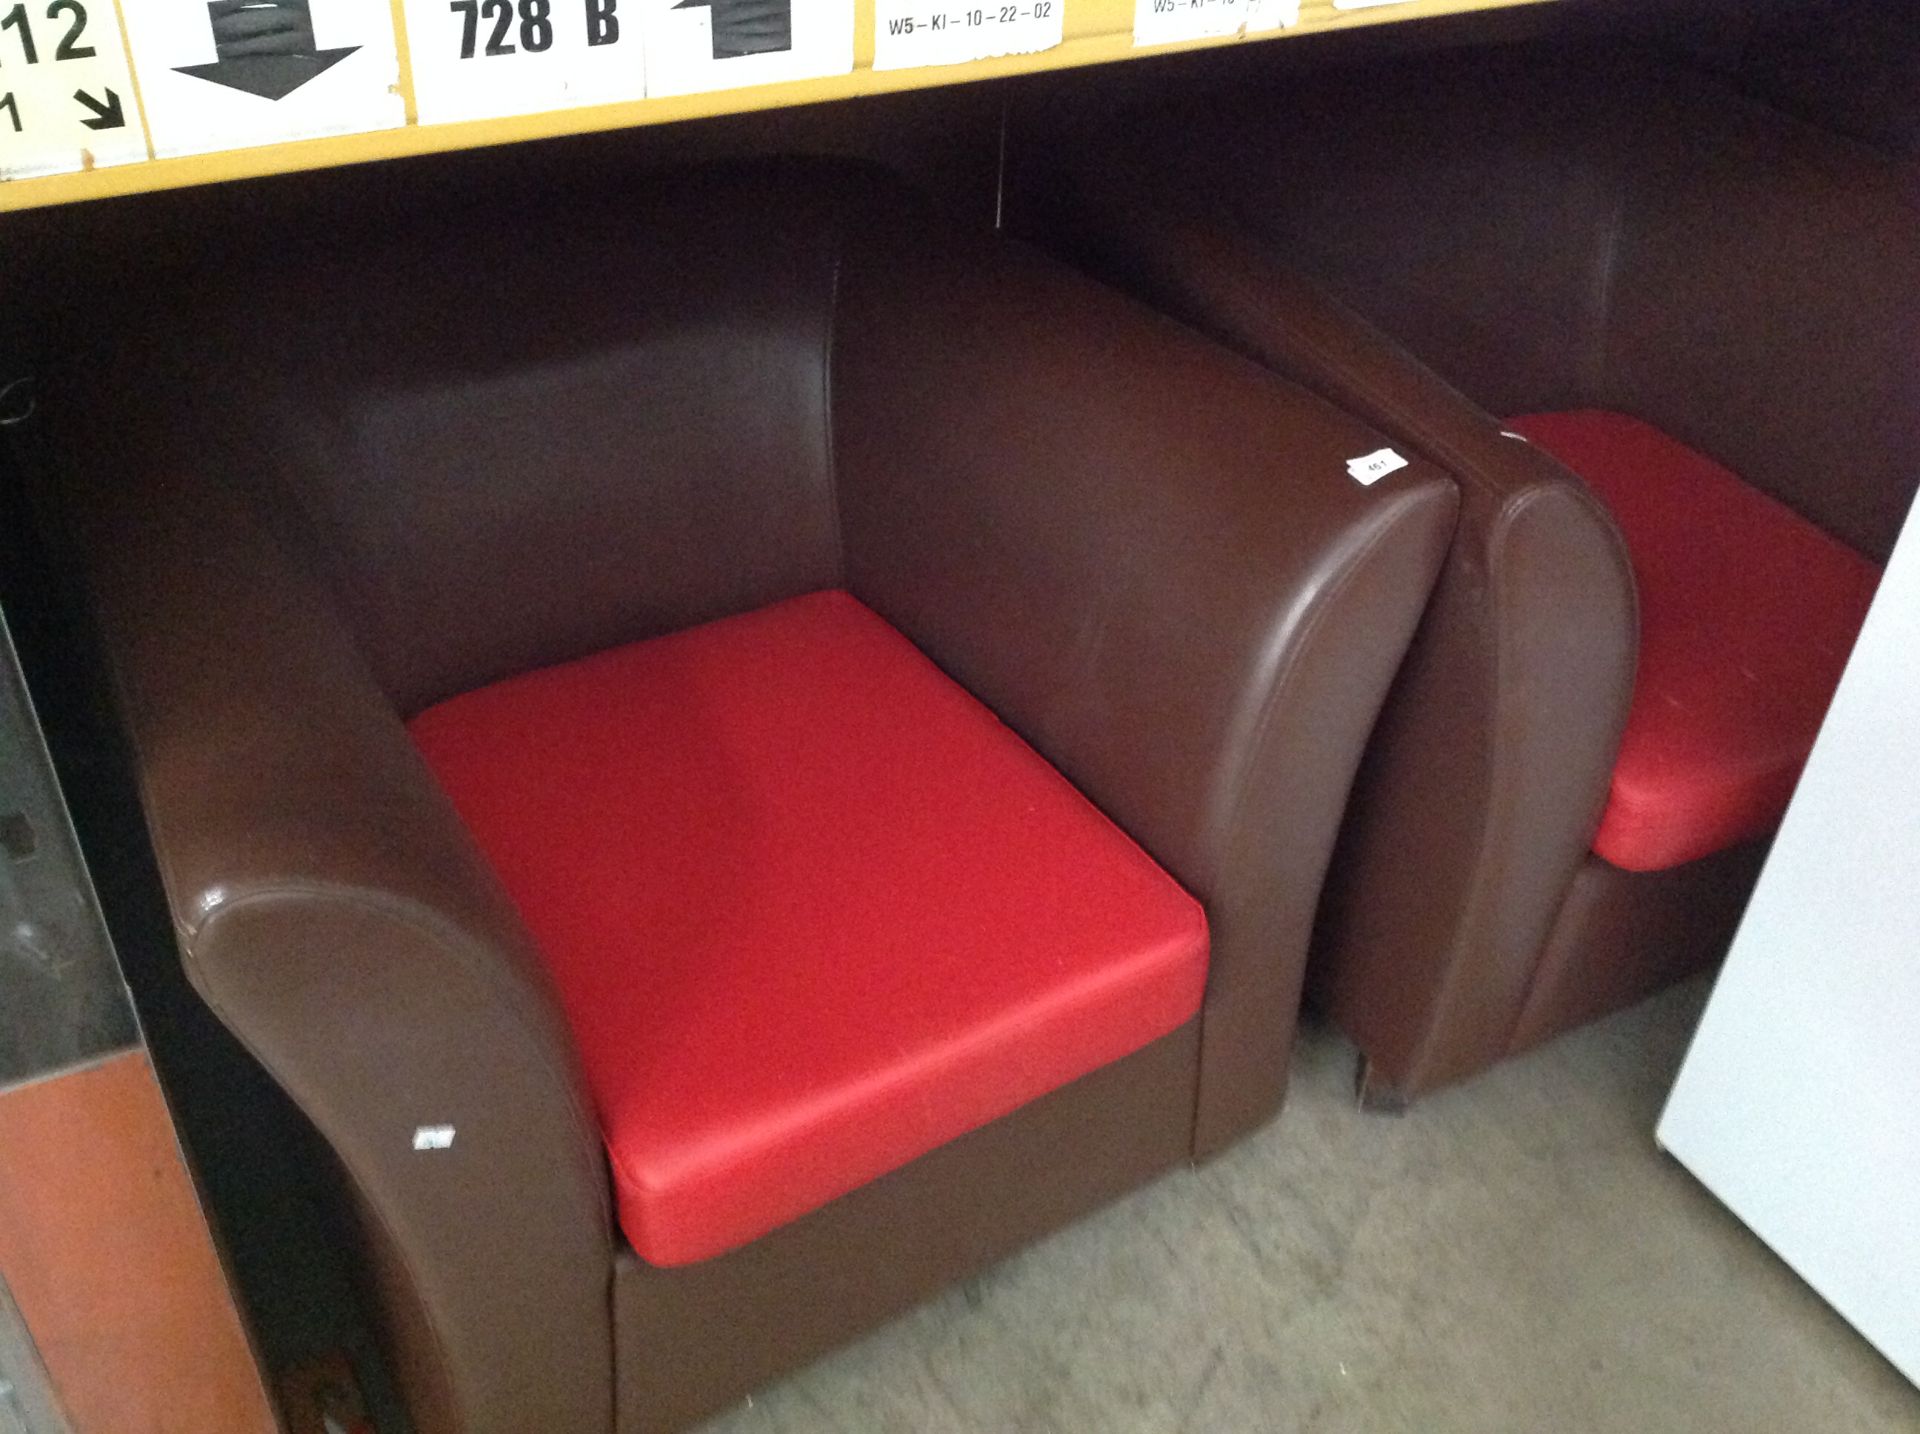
(1799, 1102)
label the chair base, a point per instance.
(1621, 936)
(693, 1340)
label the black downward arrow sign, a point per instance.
(105, 116)
(265, 47)
(747, 27)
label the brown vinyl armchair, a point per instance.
(1696, 317)
(739, 752)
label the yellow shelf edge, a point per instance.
(1096, 39)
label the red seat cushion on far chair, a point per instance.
(1747, 614)
(810, 908)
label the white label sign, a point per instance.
(66, 94)
(230, 74)
(908, 33)
(1162, 22)
(1369, 468)
(698, 45)
(474, 59)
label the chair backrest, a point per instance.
(1847, 65)
(1764, 303)
(507, 447)
(1554, 229)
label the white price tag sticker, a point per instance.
(1370, 468)
(476, 59)
(66, 92)
(231, 74)
(1163, 22)
(910, 33)
(694, 46)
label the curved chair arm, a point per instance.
(333, 913)
(1479, 795)
(1150, 559)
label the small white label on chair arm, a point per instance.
(432, 1137)
(1370, 468)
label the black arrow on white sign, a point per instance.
(107, 115)
(747, 27)
(265, 47)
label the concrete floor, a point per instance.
(1513, 1255)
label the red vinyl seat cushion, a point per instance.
(811, 910)
(1747, 615)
